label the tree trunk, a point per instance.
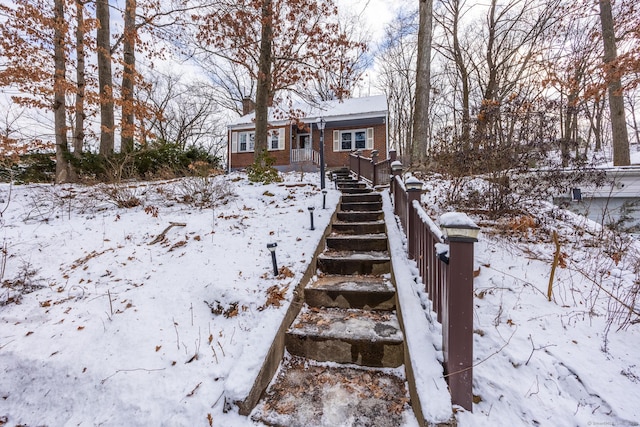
(621, 155)
(105, 79)
(464, 76)
(423, 84)
(128, 76)
(487, 114)
(568, 139)
(263, 90)
(59, 85)
(78, 134)
(634, 120)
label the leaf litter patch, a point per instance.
(305, 393)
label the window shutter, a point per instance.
(281, 133)
(336, 140)
(369, 138)
(234, 142)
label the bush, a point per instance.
(262, 170)
(163, 159)
(164, 156)
(38, 167)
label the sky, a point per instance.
(374, 13)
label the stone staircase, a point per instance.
(345, 349)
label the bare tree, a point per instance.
(423, 83)
(292, 47)
(632, 103)
(264, 87)
(230, 83)
(105, 77)
(515, 36)
(397, 61)
(569, 62)
(60, 86)
(350, 63)
(449, 20)
(80, 115)
(129, 38)
(621, 156)
(184, 113)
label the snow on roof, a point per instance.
(369, 106)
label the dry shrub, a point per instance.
(122, 195)
(522, 224)
(24, 283)
(203, 191)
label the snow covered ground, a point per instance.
(101, 326)
(118, 332)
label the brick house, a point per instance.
(352, 124)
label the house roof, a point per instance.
(334, 110)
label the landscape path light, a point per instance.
(324, 199)
(272, 249)
(311, 208)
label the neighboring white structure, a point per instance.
(616, 202)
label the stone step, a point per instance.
(359, 190)
(371, 227)
(362, 292)
(351, 262)
(354, 242)
(341, 176)
(366, 197)
(351, 184)
(352, 216)
(306, 393)
(361, 206)
(360, 337)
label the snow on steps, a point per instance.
(360, 337)
(364, 292)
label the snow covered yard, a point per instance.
(545, 363)
(571, 361)
(100, 326)
(116, 331)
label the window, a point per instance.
(360, 139)
(275, 139)
(353, 140)
(345, 137)
(246, 141)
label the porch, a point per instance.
(305, 155)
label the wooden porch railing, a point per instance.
(446, 268)
(370, 169)
(299, 155)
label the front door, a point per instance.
(304, 140)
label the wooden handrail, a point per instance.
(369, 169)
(446, 268)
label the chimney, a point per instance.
(248, 106)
